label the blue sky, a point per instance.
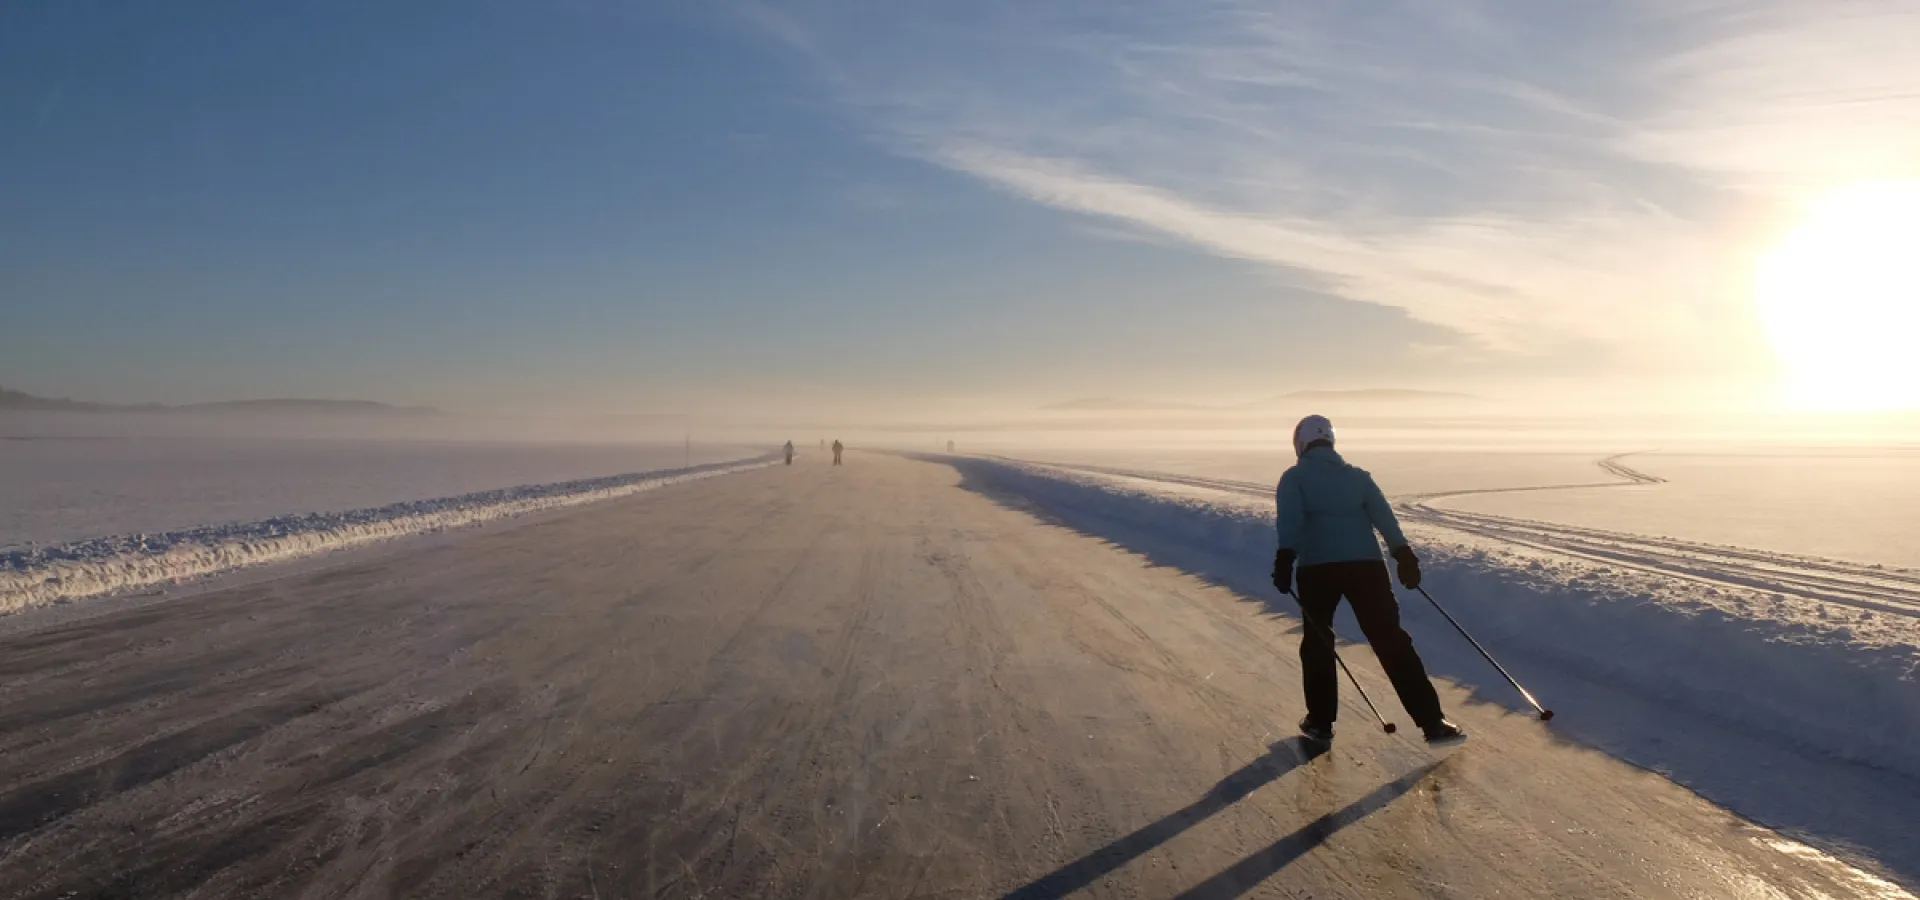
(640, 206)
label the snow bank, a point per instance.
(35, 575)
(1651, 661)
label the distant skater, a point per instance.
(949, 446)
(789, 453)
(837, 447)
(1328, 512)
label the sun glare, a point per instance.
(1840, 300)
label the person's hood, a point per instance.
(1322, 455)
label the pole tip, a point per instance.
(1391, 728)
(1546, 715)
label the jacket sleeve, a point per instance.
(1291, 514)
(1380, 512)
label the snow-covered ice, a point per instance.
(1859, 503)
(36, 574)
(59, 486)
(1855, 502)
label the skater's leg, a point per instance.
(1371, 593)
(1319, 596)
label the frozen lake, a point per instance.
(1400, 472)
(1855, 503)
(56, 489)
(1859, 503)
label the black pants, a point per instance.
(1365, 585)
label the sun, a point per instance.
(1840, 300)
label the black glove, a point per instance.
(1283, 570)
(1408, 565)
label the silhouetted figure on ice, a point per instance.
(789, 449)
(837, 447)
(1328, 512)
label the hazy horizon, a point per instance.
(1572, 397)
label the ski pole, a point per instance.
(1545, 713)
(1333, 648)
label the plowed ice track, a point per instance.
(796, 682)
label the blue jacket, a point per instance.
(1329, 510)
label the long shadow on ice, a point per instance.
(1249, 873)
(1284, 757)
(1796, 735)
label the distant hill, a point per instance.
(1368, 395)
(1377, 396)
(19, 400)
(1109, 404)
(11, 399)
(295, 405)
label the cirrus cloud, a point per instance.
(1531, 178)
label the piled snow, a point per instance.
(36, 575)
(1648, 652)
(58, 489)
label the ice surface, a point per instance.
(1787, 688)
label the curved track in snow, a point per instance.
(1880, 588)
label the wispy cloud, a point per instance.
(1527, 176)
(1501, 279)
(773, 23)
(1788, 95)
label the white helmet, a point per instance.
(1310, 429)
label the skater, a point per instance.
(789, 449)
(1328, 512)
(949, 446)
(837, 447)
